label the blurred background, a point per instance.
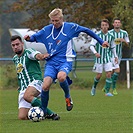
(33, 14)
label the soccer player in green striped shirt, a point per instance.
(121, 37)
(29, 78)
(102, 57)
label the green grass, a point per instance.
(97, 114)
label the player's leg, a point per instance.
(22, 114)
(114, 80)
(23, 107)
(98, 68)
(45, 93)
(62, 77)
(108, 82)
(116, 71)
(32, 95)
(65, 86)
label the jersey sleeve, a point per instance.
(31, 53)
(39, 36)
(127, 38)
(93, 42)
(76, 29)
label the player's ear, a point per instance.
(23, 43)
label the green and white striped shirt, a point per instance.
(27, 67)
(103, 51)
(117, 35)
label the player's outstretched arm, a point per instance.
(42, 56)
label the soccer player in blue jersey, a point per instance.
(56, 37)
(121, 38)
(29, 78)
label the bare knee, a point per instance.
(61, 76)
(23, 114)
(47, 83)
(22, 117)
(45, 87)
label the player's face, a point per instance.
(17, 46)
(104, 26)
(117, 24)
(56, 21)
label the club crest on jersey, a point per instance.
(58, 42)
(19, 68)
(117, 41)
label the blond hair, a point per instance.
(56, 12)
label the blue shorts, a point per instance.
(52, 70)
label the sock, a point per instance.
(114, 79)
(64, 85)
(108, 85)
(49, 112)
(69, 80)
(44, 100)
(96, 82)
(36, 102)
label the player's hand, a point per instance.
(27, 37)
(45, 56)
(124, 41)
(105, 44)
(97, 55)
(116, 60)
(42, 56)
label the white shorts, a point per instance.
(114, 65)
(24, 104)
(98, 68)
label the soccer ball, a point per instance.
(36, 114)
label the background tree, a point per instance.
(34, 14)
(9, 20)
(124, 10)
(83, 12)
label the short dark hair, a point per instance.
(14, 37)
(116, 18)
(105, 20)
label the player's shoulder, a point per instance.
(99, 32)
(14, 57)
(70, 24)
(110, 31)
(29, 50)
(47, 26)
(123, 31)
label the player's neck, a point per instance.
(117, 29)
(21, 53)
(104, 32)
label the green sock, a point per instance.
(96, 82)
(49, 112)
(36, 102)
(108, 84)
(114, 79)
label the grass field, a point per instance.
(97, 114)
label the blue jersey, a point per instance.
(59, 47)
